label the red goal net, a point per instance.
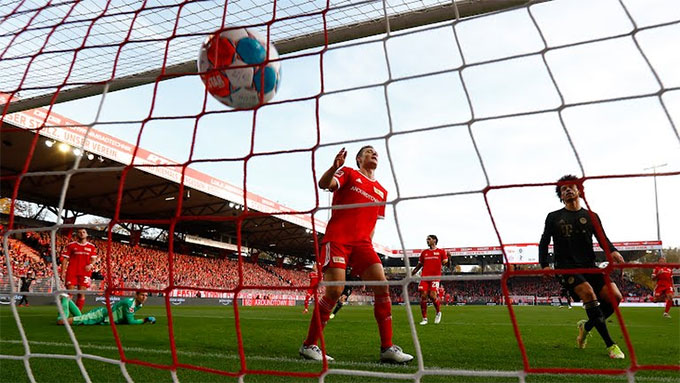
(476, 108)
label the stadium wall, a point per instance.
(92, 300)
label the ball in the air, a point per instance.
(236, 69)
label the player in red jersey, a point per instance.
(431, 261)
(76, 267)
(664, 286)
(313, 280)
(348, 243)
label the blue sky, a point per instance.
(419, 125)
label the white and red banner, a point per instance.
(524, 253)
(264, 299)
(203, 294)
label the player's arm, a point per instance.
(130, 319)
(381, 215)
(64, 266)
(655, 274)
(446, 258)
(543, 245)
(64, 262)
(93, 259)
(327, 181)
(418, 266)
(130, 315)
(617, 257)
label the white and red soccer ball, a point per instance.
(241, 58)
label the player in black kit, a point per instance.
(572, 230)
(564, 293)
(26, 282)
(342, 300)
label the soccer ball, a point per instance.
(240, 55)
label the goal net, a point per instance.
(476, 108)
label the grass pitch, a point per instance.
(469, 338)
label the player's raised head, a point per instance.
(432, 240)
(81, 234)
(367, 156)
(140, 296)
(569, 187)
(662, 259)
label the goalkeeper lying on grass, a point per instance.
(123, 312)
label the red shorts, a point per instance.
(662, 291)
(429, 286)
(78, 281)
(358, 256)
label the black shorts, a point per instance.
(569, 281)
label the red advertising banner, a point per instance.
(529, 249)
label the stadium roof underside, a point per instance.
(300, 25)
(146, 198)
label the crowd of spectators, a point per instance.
(141, 266)
(483, 291)
(22, 259)
(147, 267)
(290, 276)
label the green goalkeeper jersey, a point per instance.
(124, 312)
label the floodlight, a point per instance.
(64, 148)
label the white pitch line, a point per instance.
(199, 354)
(453, 372)
(444, 323)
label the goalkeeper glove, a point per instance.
(151, 320)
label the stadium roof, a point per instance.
(167, 35)
(150, 189)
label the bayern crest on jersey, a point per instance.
(237, 68)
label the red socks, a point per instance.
(382, 310)
(669, 304)
(437, 304)
(325, 307)
(80, 302)
(423, 306)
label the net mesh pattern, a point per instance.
(134, 36)
(51, 46)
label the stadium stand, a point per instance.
(140, 266)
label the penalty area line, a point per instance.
(298, 360)
(91, 346)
